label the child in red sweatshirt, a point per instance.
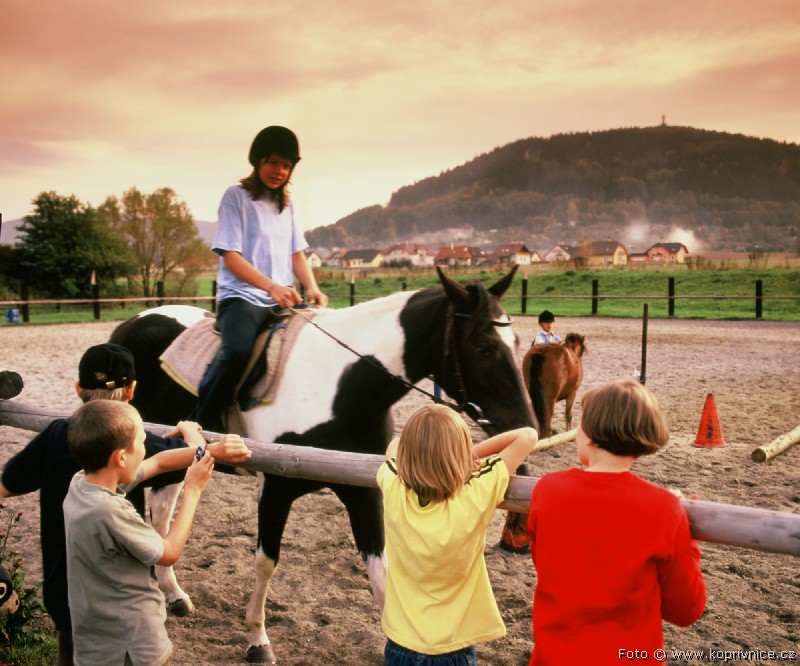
(612, 552)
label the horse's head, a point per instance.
(576, 343)
(473, 350)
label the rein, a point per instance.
(469, 408)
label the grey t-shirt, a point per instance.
(115, 603)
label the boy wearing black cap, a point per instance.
(546, 335)
(105, 371)
(261, 250)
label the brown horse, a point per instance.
(552, 373)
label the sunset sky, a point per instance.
(99, 96)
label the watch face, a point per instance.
(199, 452)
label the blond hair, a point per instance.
(624, 418)
(434, 454)
(98, 428)
(117, 394)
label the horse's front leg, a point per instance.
(274, 504)
(162, 505)
(259, 649)
(365, 510)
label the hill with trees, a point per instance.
(636, 185)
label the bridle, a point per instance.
(471, 409)
(465, 406)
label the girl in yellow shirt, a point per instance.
(439, 494)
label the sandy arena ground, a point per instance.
(320, 609)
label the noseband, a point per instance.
(471, 409)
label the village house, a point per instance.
(453, 255)
(334, 259)
(479, 256)
(667, 253)
(597, 253)
(312, 258)
(418, 255)
(362, 259)
(605, 253)
(512, 253)
(562, 252)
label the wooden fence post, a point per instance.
(26, 316)
(214, 296)
(595, 292)
(670, 297)
(524, 304)
(352, 290)
(160, 292)
(96, 297)
(759, 298)
(643, 368)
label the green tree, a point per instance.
(62, 244)
(161, 233)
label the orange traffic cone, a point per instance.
(709, 434)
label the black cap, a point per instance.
(274, 139)
(106, 366)
(546, 317)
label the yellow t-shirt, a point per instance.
(438, 595)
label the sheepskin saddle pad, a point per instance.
(187, 358)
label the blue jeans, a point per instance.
(397, 655)
(239, 323)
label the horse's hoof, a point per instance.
(261, 654)
(180, 608)
(514, 549)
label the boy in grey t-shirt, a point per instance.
(118, 612)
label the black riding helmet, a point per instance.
(274, 139)
(546, 317)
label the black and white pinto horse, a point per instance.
(333, 398)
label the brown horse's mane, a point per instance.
(576, 343)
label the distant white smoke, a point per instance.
(678, 235)
(637, 235)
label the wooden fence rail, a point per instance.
(19, 310)
(729, 524)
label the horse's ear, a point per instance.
(500, 287)
(456, 293)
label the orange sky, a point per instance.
(100, 96)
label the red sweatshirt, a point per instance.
(613, 557)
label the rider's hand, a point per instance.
(284, 296)
(316, 297)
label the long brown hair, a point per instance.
(256, 189)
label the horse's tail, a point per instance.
(536, 393)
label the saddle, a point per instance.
(186, 359)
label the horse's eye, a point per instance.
(484, 352)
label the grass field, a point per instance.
(698, 294)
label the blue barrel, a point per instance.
(12, 315)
